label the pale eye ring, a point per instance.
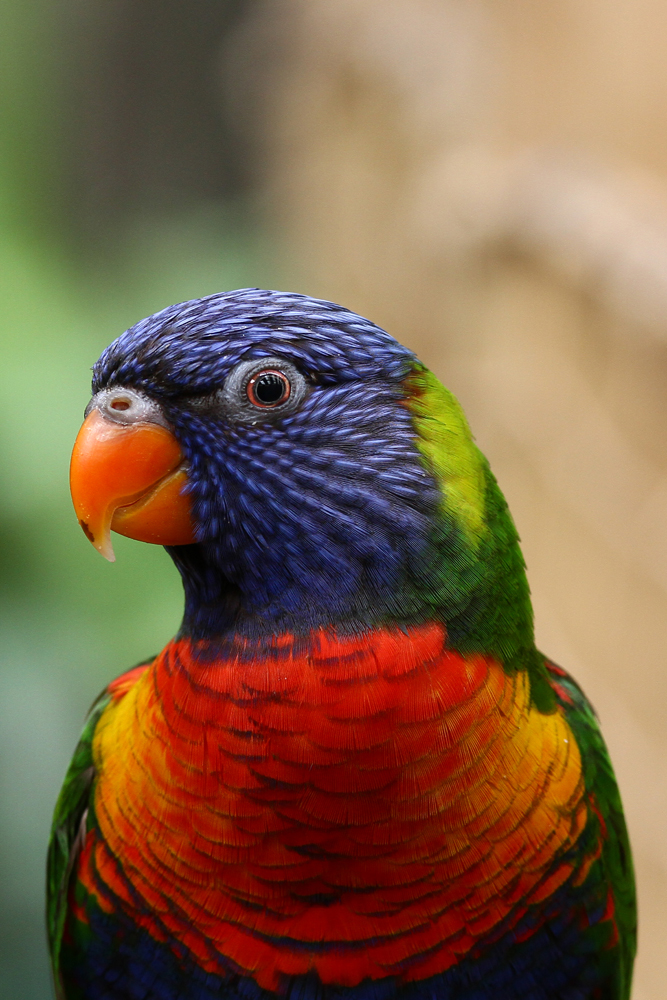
(268, 388)
(262, 390)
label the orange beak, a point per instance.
(129, 478)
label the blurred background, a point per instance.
(487, 181)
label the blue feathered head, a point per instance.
(330, 479)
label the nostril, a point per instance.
(123, 405)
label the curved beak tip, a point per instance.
(103, 546)
(129, 479)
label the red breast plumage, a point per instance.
(233, 794)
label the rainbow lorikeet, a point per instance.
(351, 775)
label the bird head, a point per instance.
(302, 468)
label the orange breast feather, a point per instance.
(357, 808)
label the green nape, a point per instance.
(477, 577)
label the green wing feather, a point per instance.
(601, 784)
(68, 831)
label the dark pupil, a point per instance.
(269, 388)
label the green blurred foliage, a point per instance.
(69, 621)
(30, 55)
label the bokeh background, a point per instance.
(488, 181)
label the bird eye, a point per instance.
(261, 390)
(268, 388)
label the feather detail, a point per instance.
(352, 776)
(353, 806)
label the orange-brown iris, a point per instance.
(129, 478)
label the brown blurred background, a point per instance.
(488, 181)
